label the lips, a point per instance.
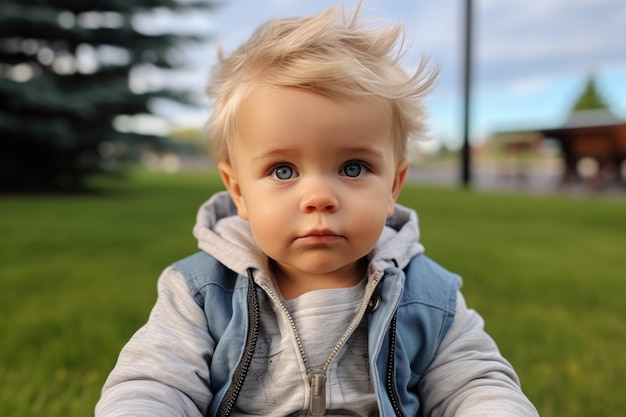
(321, 236)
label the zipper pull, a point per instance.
(317, 407)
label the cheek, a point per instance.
(382, 201)
(369, 219)
(267, 221)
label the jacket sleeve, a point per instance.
(469, 376)
(163, 369)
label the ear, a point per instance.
(229, 178)
(398, 182)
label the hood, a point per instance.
(227, 237)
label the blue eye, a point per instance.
(283, 172)
(352, 169)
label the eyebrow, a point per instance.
(361, 151)
(275, 153)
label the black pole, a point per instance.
(467, 80)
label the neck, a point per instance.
(293, 283)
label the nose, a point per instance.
(319, 196)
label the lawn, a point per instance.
(78, 276)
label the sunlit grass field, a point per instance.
(78, 275)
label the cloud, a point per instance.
(528, 86)
(519, 39)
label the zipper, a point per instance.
(317, 377)
(317, 382)
(228, 402)
(391, 368)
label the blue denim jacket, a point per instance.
(411, 312)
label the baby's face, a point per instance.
(315, 177)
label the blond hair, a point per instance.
(329, 54)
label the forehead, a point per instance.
(284, 116)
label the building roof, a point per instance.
(591, 118)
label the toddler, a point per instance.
(310, 294)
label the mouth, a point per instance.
(321, 236)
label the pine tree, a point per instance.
(590, 98)
(68, 76)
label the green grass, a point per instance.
(78, 276)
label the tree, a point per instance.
(72, 84)
(589, 99)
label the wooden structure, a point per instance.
(591, 136)
(596, 135)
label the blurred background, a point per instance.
(88, 88)
(103, 164)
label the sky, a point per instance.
(531, 58)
